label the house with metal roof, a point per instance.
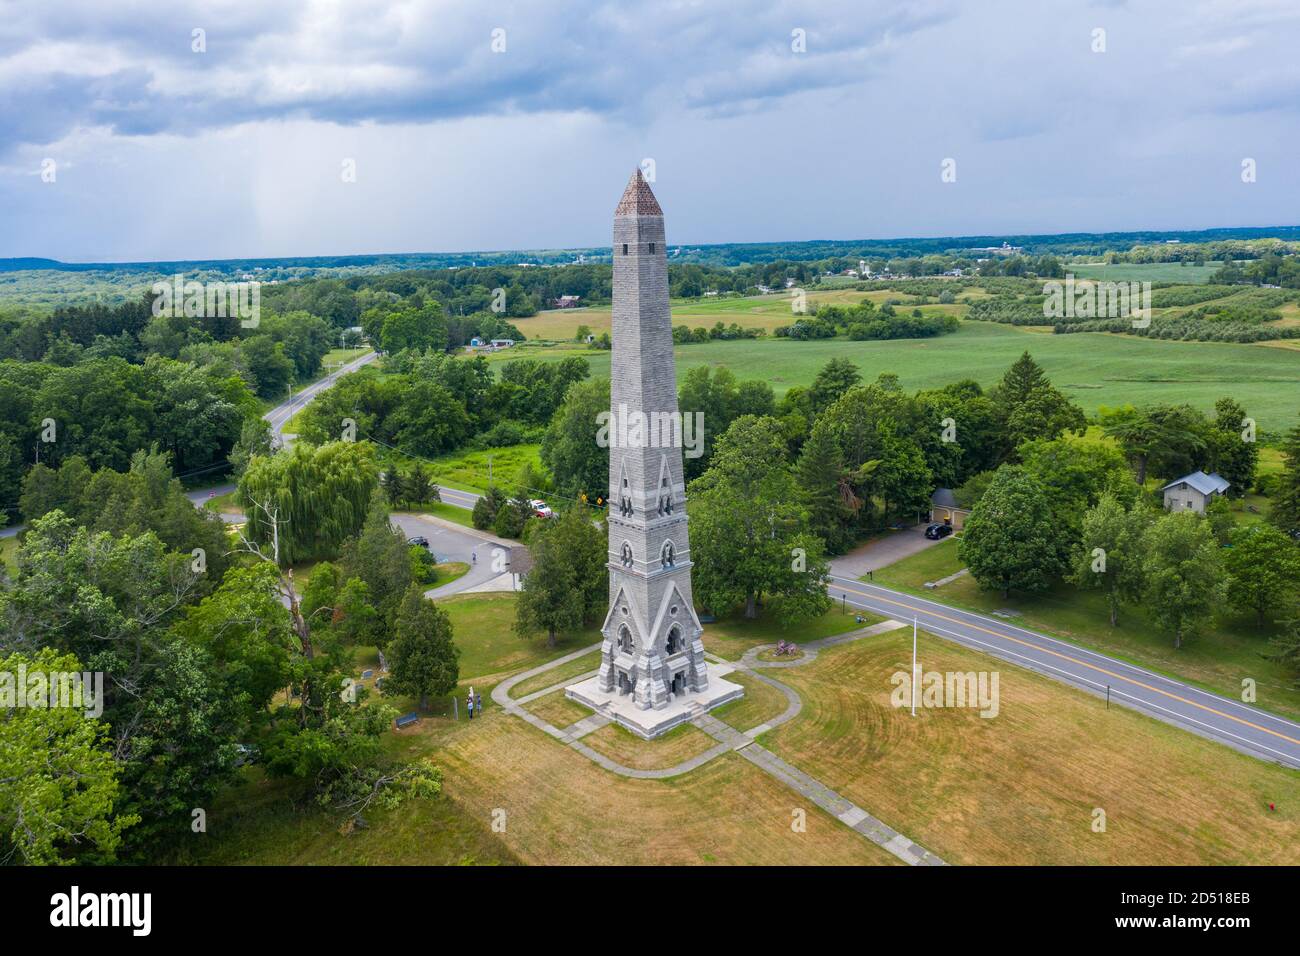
(1193, 492)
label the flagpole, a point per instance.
(913, 666)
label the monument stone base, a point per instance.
(651, 723)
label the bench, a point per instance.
(406, 720)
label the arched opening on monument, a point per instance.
(627, 555)
(667, 556)
(679, 683)
(625, 684)
(625, 642)
(675, 642)
(625, 501)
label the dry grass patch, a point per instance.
(557, 710)
(762, 702)
(731, 636)
(679, 744)
(575, 668)
(562, 809)
(1020, 788)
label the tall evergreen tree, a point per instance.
(819, 474)
(423, 658)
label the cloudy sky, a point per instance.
(165, 143)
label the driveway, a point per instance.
(450, 542)
(881, 552)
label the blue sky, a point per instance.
(161, 152)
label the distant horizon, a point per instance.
(672, 244)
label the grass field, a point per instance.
(561, 809)
(483, 628)
(468, 470)
(1218, 660)
(621, 745)
(731, 636)
(1094, 369)
(1022, 787)
(558, 710)
(580, 665)
(761, 703)
(1145, 272)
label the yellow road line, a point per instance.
(1073, 660)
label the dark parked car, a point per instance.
(421, 540)
(937, 531)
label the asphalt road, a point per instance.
(1238, 725)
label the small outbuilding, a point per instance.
(945, 510)
(1193, 492)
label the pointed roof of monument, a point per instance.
(637, 199)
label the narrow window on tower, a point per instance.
(652, 248)
(625, 248)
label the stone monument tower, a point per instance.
(652, 668)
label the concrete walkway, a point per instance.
(729, 739)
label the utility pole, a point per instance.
(915, 682)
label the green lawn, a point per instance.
(1218, 660)
(9, 553)
(483, 626)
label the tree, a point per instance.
(1075, 472)
(380, 556)
(1263, 567)
(254, 440)
(421, 329)
(1185, 580)
(1234, 452)
(511, 517)
(419, 490)
(1110, 555)
(423, 660)
(579, 465)
(1029, 406)
(484, 514)
(393, 484)
(430, 420)
(833, 379)
(820, 475)
(902, 480)
(320, 494)
(271, 369)
(556, 589)
(1010, 539)
(749, 533)
(58, 779)
(1285, 512)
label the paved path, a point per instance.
(1239, 725)
(729, 739)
